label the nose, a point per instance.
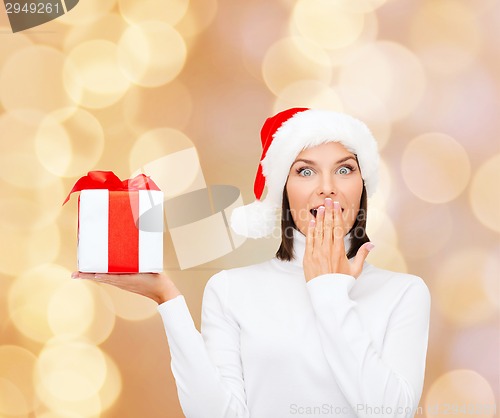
(327, 186)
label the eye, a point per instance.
(305, 172)
(344, 170)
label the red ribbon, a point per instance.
(123, 235)
(109, 180)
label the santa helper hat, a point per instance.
(283, 137)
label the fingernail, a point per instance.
(321, 208)
(336, 205)
(328, 202)
(74, 275)
(370, 246)
(97, 276)
(312, 222)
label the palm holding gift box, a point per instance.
(120, 224)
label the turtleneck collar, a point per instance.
(299, 247)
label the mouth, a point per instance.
(314, 211)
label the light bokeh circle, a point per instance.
(381, 229)
(112, 386)
(12, 400)
(169, 105)
(427, 227)
(461, 393)
(88, 408)
(367, 107)
(435, 167)
(131, 306)
(15, 44)
(17, 397)
(28, 309)
(69, 142)
(326, 24)
(71, 370)
(167, 11)
(19, 166)
(68, 377)
(58, 414)
(197, 19)
(156, 143)
(294, 59)
(477, 348)
(92, 76)
(359, 6)
(367, 36)
(446, 29)
(87, 12)
(459, 293)
(23, 250)
(390, 71)
(37, 69)
(491, 273)
(484, 193)
(388, 257)
(70, 310)
(23, 210)
(104, 317)
(151, 53)
(308, 93)
(108, 28)
(383, 194)
(166, 152)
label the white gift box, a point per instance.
(120, 231)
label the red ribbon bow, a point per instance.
(109, 180)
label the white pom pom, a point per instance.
(255, 220)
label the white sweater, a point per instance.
(273, 345)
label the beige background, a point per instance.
(119, 84)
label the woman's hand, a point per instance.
(325, 251)
(156, 286)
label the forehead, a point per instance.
(328, 151)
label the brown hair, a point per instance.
(357, 232)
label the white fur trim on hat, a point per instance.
(256, 220)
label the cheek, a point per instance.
(295, 204)
(353, 195)
(355, 190)
(297, 198)
(293, 193)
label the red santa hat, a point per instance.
(283, 137)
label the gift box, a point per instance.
(120, 224)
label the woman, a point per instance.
(315, 331)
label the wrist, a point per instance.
(168, 295)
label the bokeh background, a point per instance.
(120, 84)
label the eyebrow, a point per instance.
(342, 160)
